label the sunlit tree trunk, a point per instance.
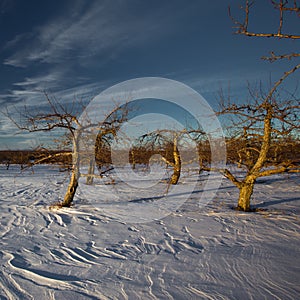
(75, 174)
(246, 191)
(177, 163)
(247, 185)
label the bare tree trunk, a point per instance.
(72, 187)
(91, 171)
(177, 164)
(246, 190)
(133, 159)
(201, 163)
(70, 193)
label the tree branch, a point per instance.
(275, 57)
(242, 28)
(282, 169)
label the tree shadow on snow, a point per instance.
(150, 199)
(274, 202)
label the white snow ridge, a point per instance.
(208, 252)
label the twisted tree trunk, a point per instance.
(177, 163)
(70, 193)
(246, 191)
(72, 187)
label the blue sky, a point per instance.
(79, 48)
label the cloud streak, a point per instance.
(79, 38)
(83, 32)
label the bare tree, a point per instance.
(167, 143)
(265, 119)
(63, 117)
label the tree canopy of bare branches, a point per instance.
(268, 121)
(58, 116)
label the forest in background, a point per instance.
(238, 150)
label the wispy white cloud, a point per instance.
(103, 27)
(36, 81)
(75, 38)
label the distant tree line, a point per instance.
(30, 157)
(243, 151)
(240, 151)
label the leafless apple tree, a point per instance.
(57, 116)
(261, 124)
(168, 144)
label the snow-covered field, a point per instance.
(196, 252)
